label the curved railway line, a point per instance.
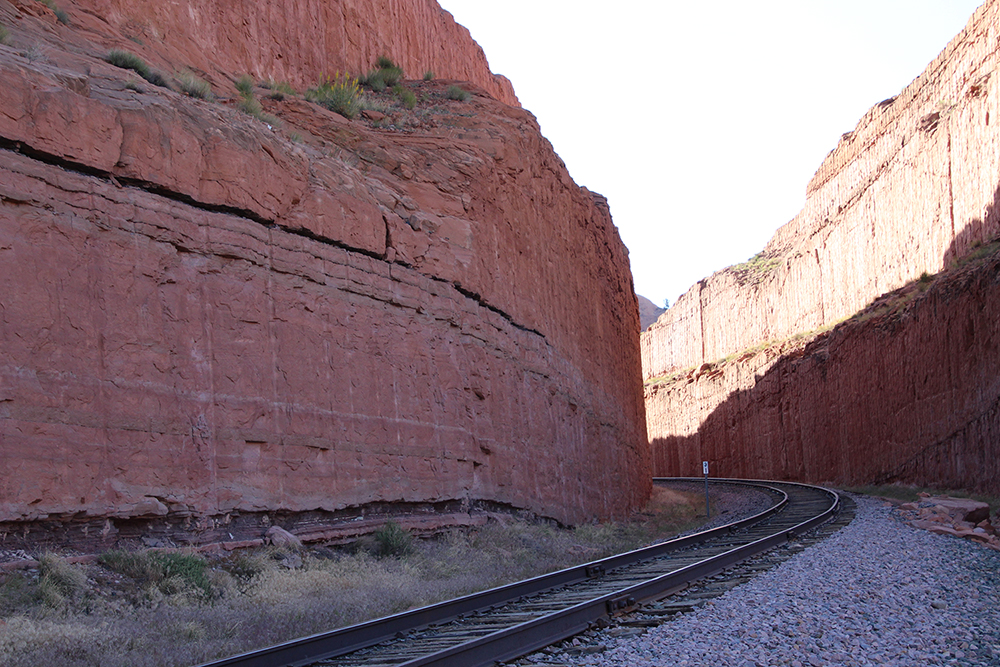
(510, 621)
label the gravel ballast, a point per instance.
(877, 593)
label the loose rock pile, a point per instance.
(959, 517)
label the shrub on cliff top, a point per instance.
(339, 93)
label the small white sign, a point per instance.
(704, 467)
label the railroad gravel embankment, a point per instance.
(877, 593)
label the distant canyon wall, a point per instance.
(909, 190)
(906, 392)
(201, 313)
(910, 396)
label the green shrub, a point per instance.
(170, 573)
(391, 541)
(244, 85)
(428, 75)
(61, 15)
(385, 74)
(339, 93)
(250, 105)
(406, 96)
(194, 86)
(58, 580)
(279, 90)
(458, 93)
(128, 60)
(4, 34)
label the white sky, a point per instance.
(702, 122)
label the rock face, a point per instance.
(648, 312)
(911, 395)
(909, 190)
(201, 314)
(298, 41)
(907, 391)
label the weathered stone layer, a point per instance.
(912, 397)
(202, 314)
(913, 187)
(908, 396)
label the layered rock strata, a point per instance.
(908, 191)
(909, 397)
(908, 391)
(203, 315)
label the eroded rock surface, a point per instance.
(912, 188)
(202, 314)
(907, 390)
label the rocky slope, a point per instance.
(908, 191)
(910, 396)
(648, 312)
(203, 315)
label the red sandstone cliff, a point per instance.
(909, 190)
(915, 187)
(201, 314)
(907, 391)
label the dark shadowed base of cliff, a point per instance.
(907, 391)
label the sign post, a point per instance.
(704, 469)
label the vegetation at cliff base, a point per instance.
(384, 75)
(340, 93)
(154, 608)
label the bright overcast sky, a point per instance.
(702, 122)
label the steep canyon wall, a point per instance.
(907, 191)
(911, 190)
(203, 314)
(907, 391)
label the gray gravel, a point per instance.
(877, 593)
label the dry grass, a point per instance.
(121, 613)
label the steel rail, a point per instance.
(536, 633)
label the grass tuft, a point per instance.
(392, 541)
(339, 93)
(169, 573)
(194, 86)
(4, 34)
(129, 60)
(244, 85)
(406, 96)
(458, 93)
(428, 75)
(61, 14)
(59, 581)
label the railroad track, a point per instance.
(513, 620)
